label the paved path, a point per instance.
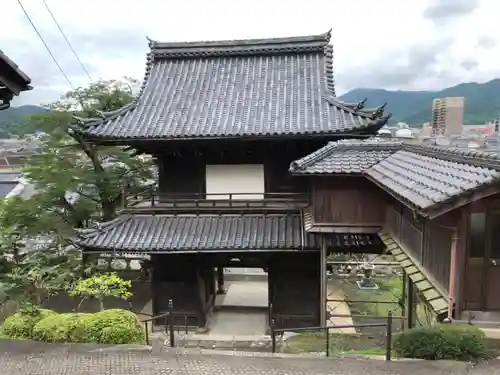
(244, 294)
(31, 358)
(338, 308)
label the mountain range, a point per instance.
(12, 120)
(482, 105)
(482, 102)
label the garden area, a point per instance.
(427, 341)
(106, 326)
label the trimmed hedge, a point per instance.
(62, 328)
(106, 327)
(114, 326)
(21, 324)
(444, 341)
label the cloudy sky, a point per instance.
(392, 44)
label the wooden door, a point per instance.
(474, 287)
(492, 261)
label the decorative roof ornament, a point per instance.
(328, 35)
(151, 43)
(84, 121)
(379, 112)
(360, 105)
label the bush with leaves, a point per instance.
(113, 326)
(62, 328)
(443, 341)
(102, 286)
(21, 324)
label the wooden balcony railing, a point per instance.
(155, 199)
(405, 233)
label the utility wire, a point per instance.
(66, 39)
(45, 44)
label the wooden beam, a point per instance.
(461, 201)
(343, 229)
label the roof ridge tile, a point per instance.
(241, 46)
(369, 144)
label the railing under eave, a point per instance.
(155, 199)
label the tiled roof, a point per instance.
(426, 181)
(346, 156)
(245, 88)
(194, 233)
(6, 188)
(12, 78)
(423, 176)
(225, 232)
(10, 177)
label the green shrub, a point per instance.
(20, 325)
(122, 334)
(120, 325)
(62, 328)
(105, 327)
(444, 341)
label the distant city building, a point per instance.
(479, 130)
(385, 132)
(404, 133)
(447, 116)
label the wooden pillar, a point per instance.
(411, 303)
(323, 282)
(403, 301)
(220, 280)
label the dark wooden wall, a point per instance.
(182, 170)
(294, 289)
(190, 285)
(346, 200)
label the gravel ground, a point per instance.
(34, 358)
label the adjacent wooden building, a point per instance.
(436, 209)
(224, 120)
(13, 81)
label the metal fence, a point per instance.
(387, 324)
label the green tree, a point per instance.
(76, 183)
(77, 180)
(30, 275)
(102, 286)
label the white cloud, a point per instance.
(395, 44)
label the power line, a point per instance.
(45, 44)
(66, 39)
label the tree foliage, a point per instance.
(102, 286)
(76, 184)
(34, 272)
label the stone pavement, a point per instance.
(34, 358)
(487, 368)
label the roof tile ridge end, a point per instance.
(314, 157)
(467, 155)
(377, 116)
(150, 56)
(108, 225)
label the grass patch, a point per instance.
(368, 351)
(390, 290)
(314, 342)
